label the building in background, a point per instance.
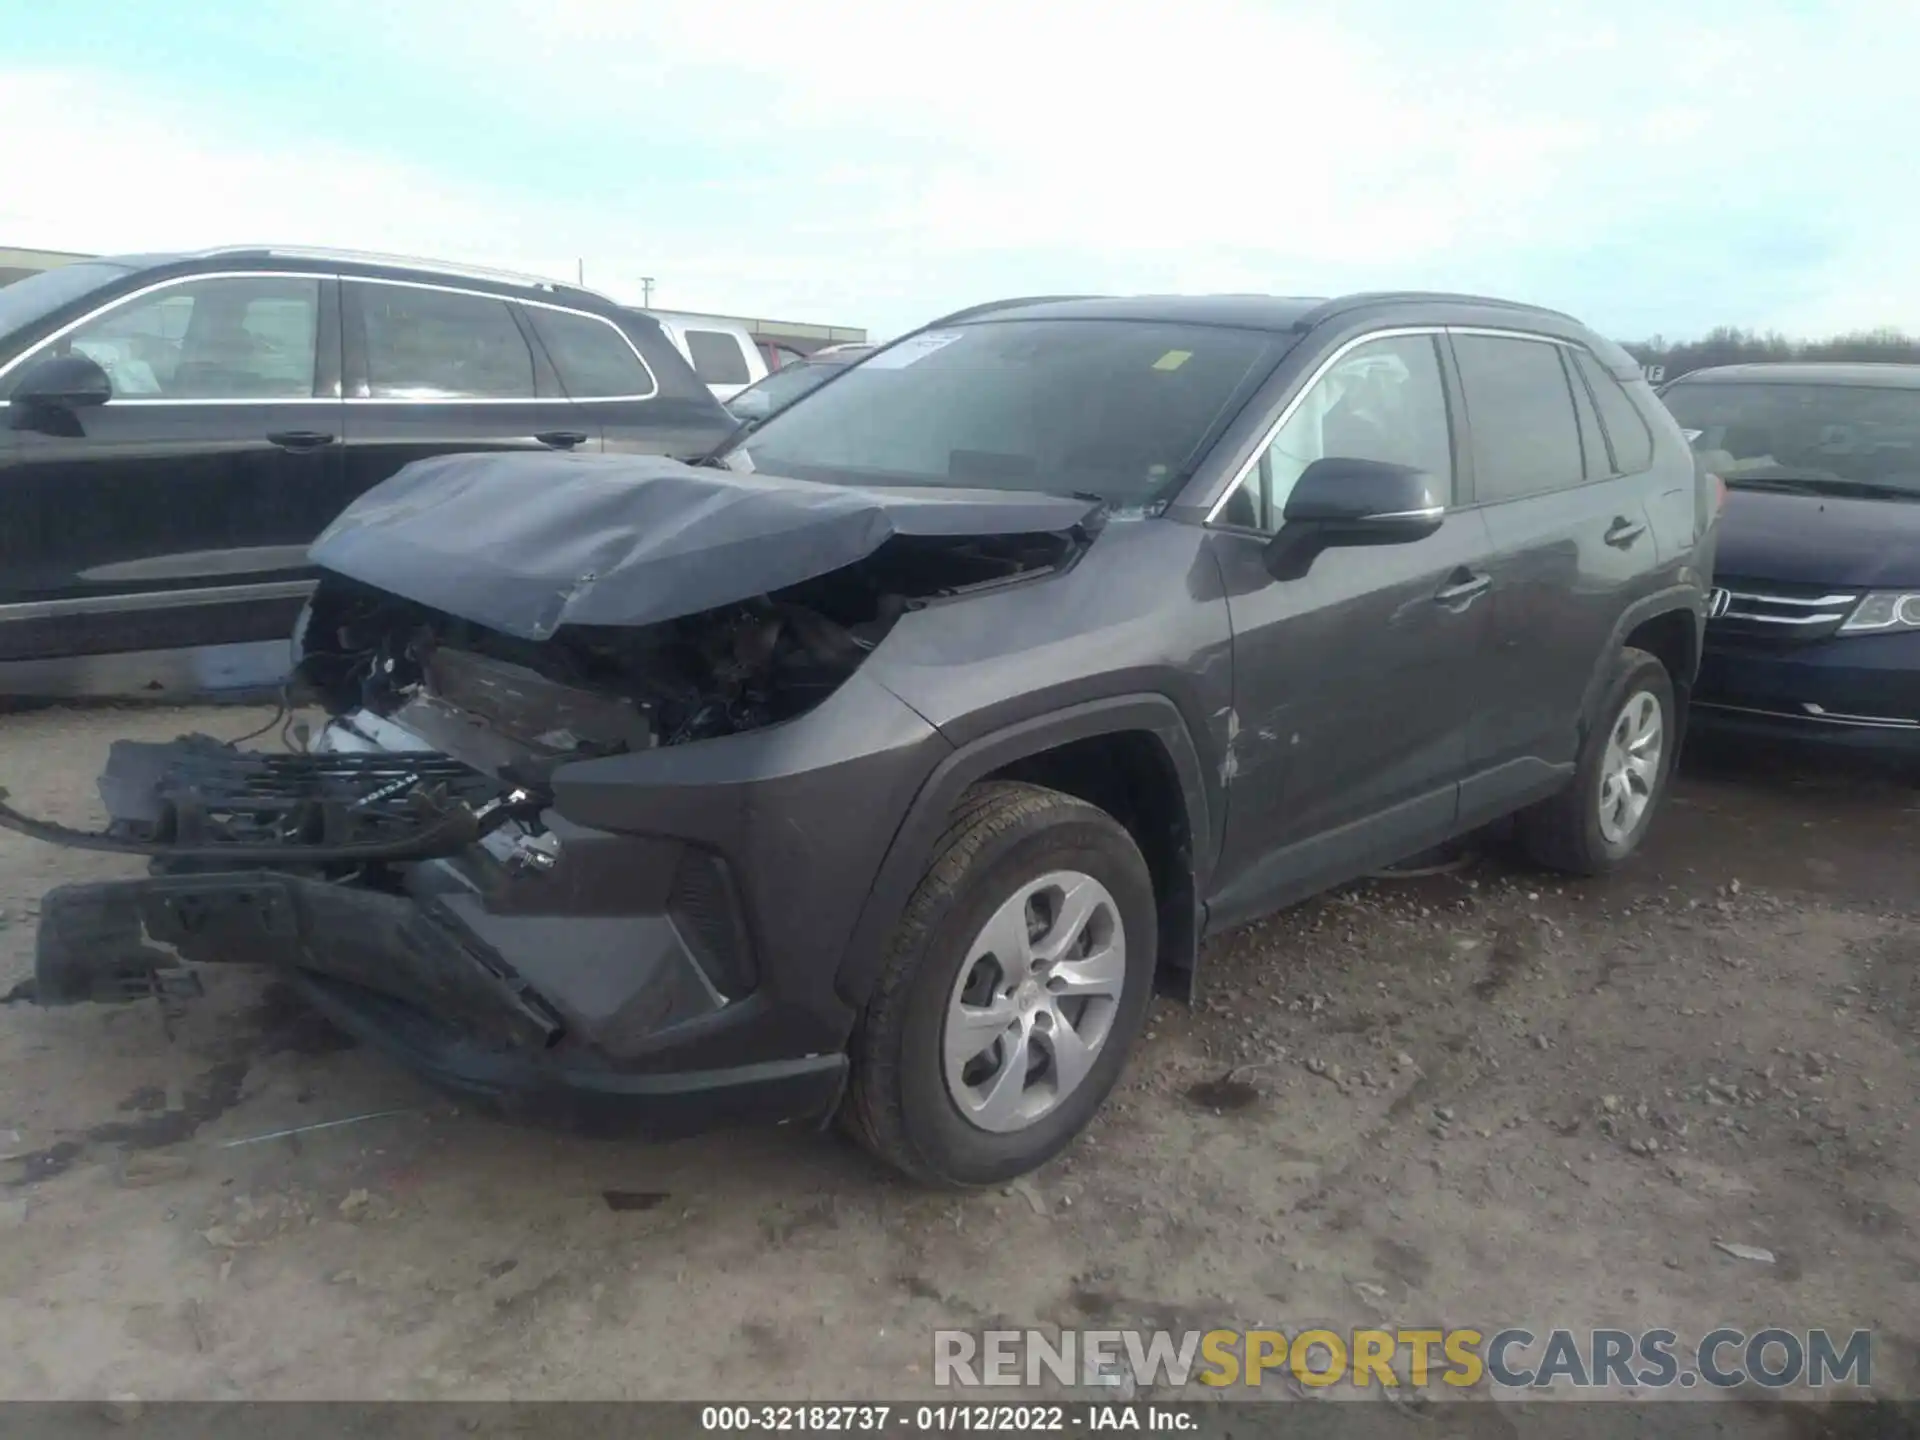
(18, 264)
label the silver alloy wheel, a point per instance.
(1034, 1001)
(1631, 767)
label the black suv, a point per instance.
(884, 764)
(181, 427)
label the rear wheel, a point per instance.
(1600, 819)
(1011, 992)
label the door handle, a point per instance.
(1461, 586)
(299, 439)
(561, 439)
(1623, 532)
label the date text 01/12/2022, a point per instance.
(821, 1419)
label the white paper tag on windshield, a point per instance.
(898, 357)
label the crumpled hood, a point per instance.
(1819, 540)
(527, 543)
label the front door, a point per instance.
(178, 514)
(432, 370)
(1354, 685)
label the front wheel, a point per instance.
(1625, 760)
(1012, 990)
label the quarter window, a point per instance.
(717, 357)
(1525, 434)
(439, 345)
(1382, 400)
(594, 359)
(232, 338)
(1626, 426)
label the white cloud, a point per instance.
(1646, 168)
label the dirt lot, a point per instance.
(1479, 1098)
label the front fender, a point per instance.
(926, 818)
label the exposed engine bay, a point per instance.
(600, 690)
(446, 733)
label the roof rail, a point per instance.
(406, 262)
(1342, 303)
(974, 311)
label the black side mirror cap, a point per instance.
(1340, 501)
(58, 383)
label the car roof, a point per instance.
(1887, 375)
(366, 263)
(1279, 313)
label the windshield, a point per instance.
(38, 296)
(780, 389)
(1836, 436)
(1117, 409)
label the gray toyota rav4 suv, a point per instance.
(883, 762)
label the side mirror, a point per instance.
(57, 386)
(1342, 501)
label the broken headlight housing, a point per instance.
(1882, 611)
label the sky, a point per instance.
(1655, 168)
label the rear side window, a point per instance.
(1593, 443)
(717, 357)
(1525, 433)
(594, 359)
(439, 345)
(1626, 426)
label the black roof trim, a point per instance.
(1365, 299)
(974, 312)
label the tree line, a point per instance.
(1665, 360)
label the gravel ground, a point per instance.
(1482, 1098)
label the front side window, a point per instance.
(442, 345)
(1382, 400)
(233, 338)
(1813, 436)
(595, 360)
(1525, 432)
(717, 358)
(1121, 409)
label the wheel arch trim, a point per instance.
(913, 841)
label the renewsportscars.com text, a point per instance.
(1513, 1358)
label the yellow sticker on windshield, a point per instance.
(1173, 360)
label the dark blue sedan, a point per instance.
(1815, 628)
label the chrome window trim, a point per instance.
(1287, 412)
(169, 283)
(142, 600)
(175, 280)
(1394, 332)
(652, 379)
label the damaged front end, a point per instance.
(490, 856)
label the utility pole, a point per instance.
(646, 292)
(580, 271)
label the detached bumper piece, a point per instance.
(409, 976)
(199, 799)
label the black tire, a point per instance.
(1001, 836)
(1563, 832)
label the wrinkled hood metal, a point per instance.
(527, 543)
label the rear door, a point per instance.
(1572, 547)
(437, 370)
(177, 515)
